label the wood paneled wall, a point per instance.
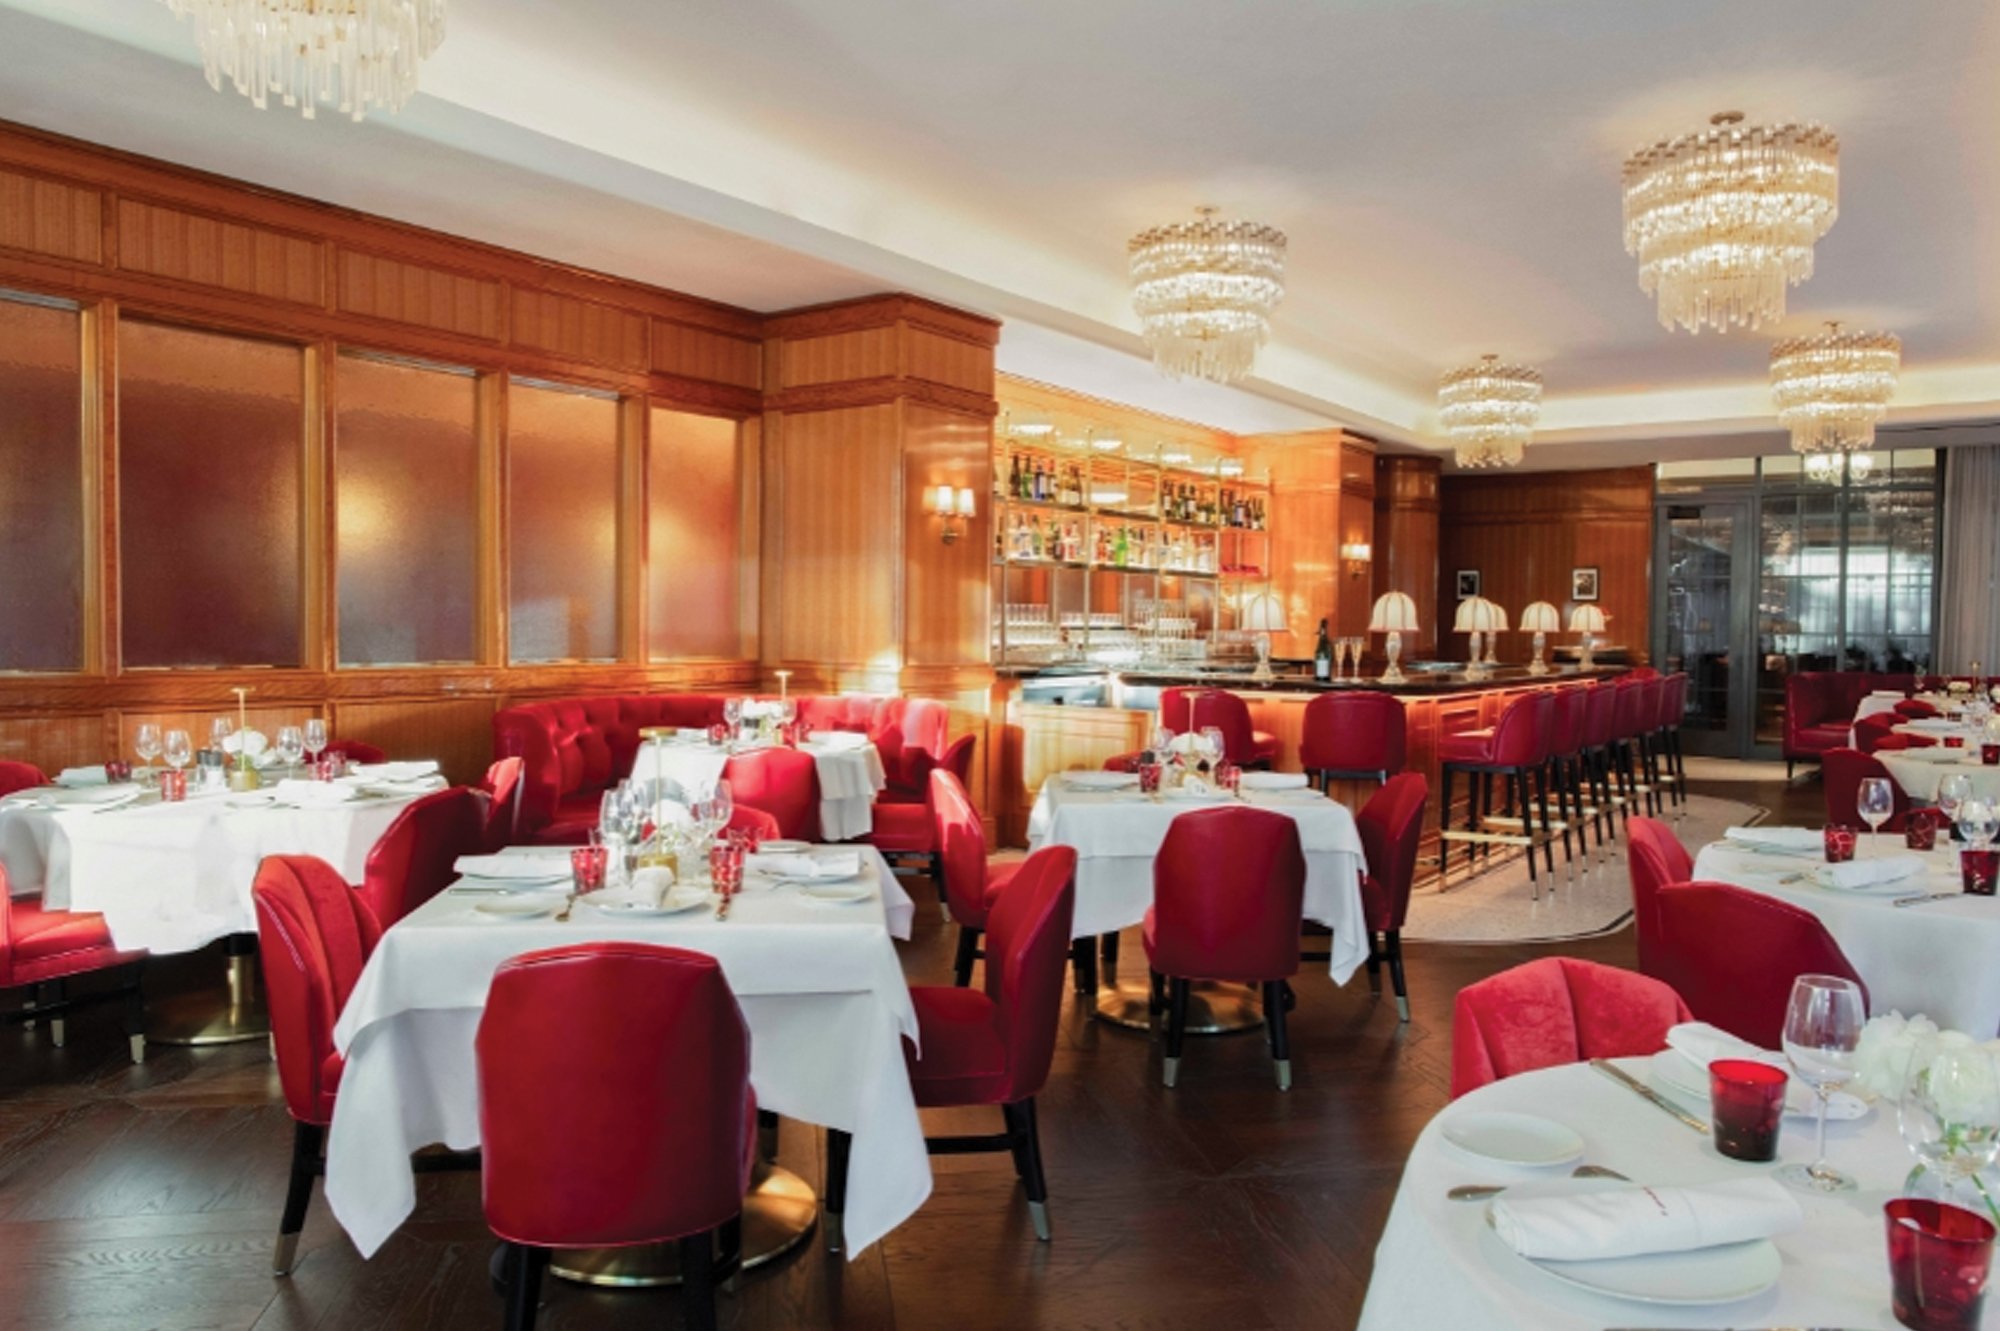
(1406, 542)
(1322, 497)
(1524, 532)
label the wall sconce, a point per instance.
(1357, 554)
(955, 507)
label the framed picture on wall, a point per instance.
(1468, 583)
(1583, 584)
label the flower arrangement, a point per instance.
(1946, 1087)
(1958, 688)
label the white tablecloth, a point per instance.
(175, 877)
(1920, 771)
(819, 985)
(1439, 1265)
(850, 768)
(1937, 958)
(1117, 835)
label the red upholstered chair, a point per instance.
(912, 736)
(585, 1145)
(573, 749)
(1228, 899)
(909, 831)
(955, 757)
(1554, 1011)
(992, 1046)
(40, 949)
(1125, 762)
(1391, 824)
(1189, 709)
(1514, 749)
(1841, 774)
(1563, 765)
(1820, 707)
(1915, 709)
(19, 776)
(1353, 736)
(1656, 858)
(356, 751)
(413, 861)
(970, 885)
(1734, 954)
(783, 783)
(502, 788)
(743, 818)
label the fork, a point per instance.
(1474, 1192)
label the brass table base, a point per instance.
(213, 1018)
(1214, 1008)
(778, 1213)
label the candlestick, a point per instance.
(244, 776)
(784, 684)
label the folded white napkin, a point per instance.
(399, 771)
(651, 884)
(1777, 838)
(1631, 1222)
(252, 740)
(541, 867)
(1272, 781)
(82, 776)
(691, 732)
(838, 741)
(1867, 873)
(835, 865)
(1702, 1044)
(317, 794)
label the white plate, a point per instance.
(837, 891)
(784, 847)
(1193, 796)
(515, 885)
(1701, 1277)
(675, 903)
(1274, 781)
(74, 796)
(1676, 1072)
(1282, 796)
(515, 908)
(1514, 1139)
(1100, 780)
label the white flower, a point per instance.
(1959, 1083)
(1882, 1057)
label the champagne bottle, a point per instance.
(1323, 655)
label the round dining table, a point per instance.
(1920, 771)
(849, 767)
(1440, 1265)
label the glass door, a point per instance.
(1703, 613)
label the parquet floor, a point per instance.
(147, 1197)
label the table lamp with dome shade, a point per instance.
(1587, 619)
(1263, 614)
(1395, 614)
(1541, 619)
(1477, 615)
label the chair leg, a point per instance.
(698, 1281)
(1083, 959)
(1517, 795)
(306, 1141)
(1027, 1135)
(1107, 948)
(53, 995)
(1395, 947)
(1177, 1008)
(1374, 963)
(968, 952)
(839, 1147)
(1444, 817)
(1156, 997)
(524, 1267)
(1473, 808)
(1542, 811)
(135, 1014)
(767, 1134)
(1281, 1045)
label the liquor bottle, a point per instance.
(1323, 655)
(1014, 477)
(1121, 547)
(1103, 551)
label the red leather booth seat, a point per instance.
(573, 749)
(1820, 706)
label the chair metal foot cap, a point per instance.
(138, 1048)
(1039, 1213)
(836, 1230)
(1284, 1074)
(56, 1031)
(1402, 1008)
(1170, 1071)
(282, 1254)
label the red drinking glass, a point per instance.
(1840, 843)
(725, 867)
(173, 785)
(1149, 778)
(788, 734)
(718, 735)
(117, 770)
(587, 866)
(1228, 775)
(1990, 754)
(1747, 1103)
(1978, 869)
(1920, 830)
(330, 768)
(1954, 741)
(1939, 1256)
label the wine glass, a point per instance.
(316, 738)
(147, 743)
(1875, 801)
(219, 731)
(179, 750)
(1978, 822)
(1211, 746)
(1822, 1028)
(1949, 1113)
(1953, 791)
(732, 716)
(722, 806)
(1163, 743)
(291, 747)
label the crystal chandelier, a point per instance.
(1723, 220)
(1489, 410)
(1204, 292)
(350, 54)
(1832, 388)
(1830, 467)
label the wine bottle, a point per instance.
(1323, 655)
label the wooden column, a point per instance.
(1406, 541)
(1322, 486)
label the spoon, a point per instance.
(1475, 1192)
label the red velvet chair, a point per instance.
(909, 831)
(573, 749)
(1554, 1011)
(585, 1145)
(413, 861)
(1391, 824)
(970, 885)
(1636, 705)
(41, 949)
(1656, 859)
(1353, 736)
(992, 1046)
(1841, 774)
(19, 776)
(1563, 765)
(1228, 900)
(1734, 954)
(1125, 762)
(502, 788)
(1513, 749)
(911, 734)
(783, 783)
(1820, 707)
(356, 751)
(1189, 709)
(743, 818)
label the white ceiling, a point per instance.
(1447, 170)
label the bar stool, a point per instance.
(1631, 718)
(1565, 768)
(1599, 731)
(1353, 737)
(1667, 737)
(1513, 749)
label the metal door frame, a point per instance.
(1738, 740)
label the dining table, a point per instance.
(1921, 771)
(1440, 1263)
(1933, 955)
(849, 766)
(818, 982)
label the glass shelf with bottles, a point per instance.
(1080, 476)
(1100, 541)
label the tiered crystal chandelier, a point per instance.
(1833, 387)
(1204, 291)
(1489, 410)
(349, 54)
(1724, 220)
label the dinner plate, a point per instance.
(50, 797)
(515, 908)
(1676, 1072)
(1699, 1277)
(780, 847)
(1514, 1139)
(541, 884)
(1100, 780)
(837, 890)
(1191, 796)
(675, 903)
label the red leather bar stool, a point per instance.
(1841, 773)
(1733, 956)
(1514, 750)
(586, 1145)
(783, 783)
(1554, 1011)
(1669, 771)
(502, 788)
(1391, 824)
(41, 949)
(1353, 736)
(1228, 900)
(1564, 767)
(1183, 710)
(1599, 732)
(414, 860)
(1631, 714)
(991, 1046)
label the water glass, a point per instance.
(1954, 741)
(1228, 776)
(718, 735)
(1920, 830)
(1978, 822)
(1939, 1257)
(330, 768)
(725, 867)
(291, 745)
(1977, 870)
(588, 866)
(1747, 1104)
(1149, 778)
(173, 786)
(1989, 754)
(219, 731)
(1953, 791)
(1839, 842)
(1823, 1024)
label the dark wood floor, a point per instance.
(148, 1197)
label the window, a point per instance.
(562, 514)
(406, 492)
(41, 484)
(210, 447)
(694, 534)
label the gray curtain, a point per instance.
(1969, 603)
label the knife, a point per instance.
(1934, 896)
(1648, 1094)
